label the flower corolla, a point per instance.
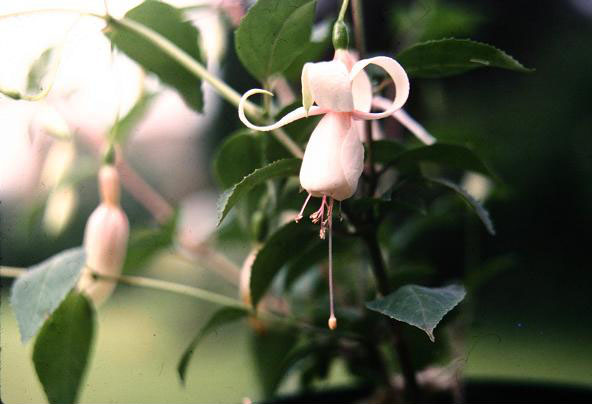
(341, 90)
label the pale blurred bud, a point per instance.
(105, 240)
(59, 160)
(59, 209)
(477, 185)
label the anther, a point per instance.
(332, 322)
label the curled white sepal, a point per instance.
(290, 117)
(399, 77)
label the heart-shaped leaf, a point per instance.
(37, 293)
(419, 306)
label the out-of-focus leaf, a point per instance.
(270, 350)
(481, 212)
(62, 349)
(446, 154)
(385, 151)
(419, 306)
(280, 168)
(145, 243)
(170, 23)
(39, 70)
(488, 270)
(238, 157)
(448, 57)
(284, 245)
(433, 19)
(313, 51)
(36, 294)
(273, 34)
(124, 127)
(218, 319)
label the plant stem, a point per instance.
(382, 284)
(343, 10)
(190, 291)
(144, 193)
(358, 23)
(208, 256)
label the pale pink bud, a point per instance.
(105, 240)
(334, 158)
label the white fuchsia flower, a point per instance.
(105, 239)
(334, 157)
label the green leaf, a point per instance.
(280, 168)
(218, 319)
(448, 57)
(170, 23)
(446, 154)
(273, 34)
(62, 349)
(385, 151)
(238, 156)
(481, 212)
(39, 71)
(419, 306)
(277, 251)
(312, 52)
(36, 294)
(124, 127)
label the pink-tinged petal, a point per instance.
(352, 160)
(406, 120)
(324, 172)
(290, 117)
(105, 244)
(330, 85)
(399, 77)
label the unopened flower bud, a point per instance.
(105, 240)
(340, 35)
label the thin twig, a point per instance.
(358, 22)
(205, 255)
(144, 193)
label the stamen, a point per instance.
(332, 319)
(299, 216)
(318, 216)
